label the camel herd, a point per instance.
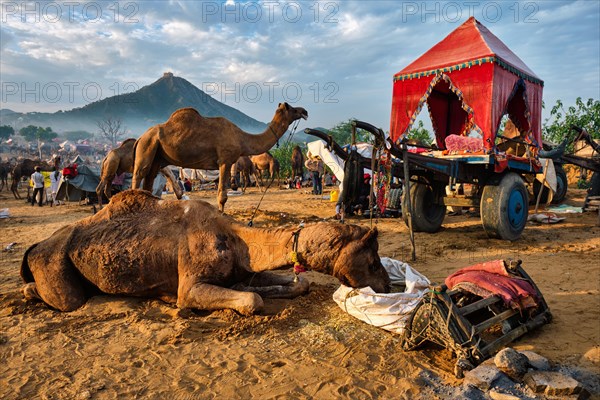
(187, 140)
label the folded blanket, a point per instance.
(492, 278)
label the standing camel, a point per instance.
(119, 161)
(297, 162)
(244, 167)
(190, 140)
(265, 162)
(25, 168)
(4, 170)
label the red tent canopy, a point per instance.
(469, 81)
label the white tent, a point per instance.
(199, 174)
(336, 164)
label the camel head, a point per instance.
(358, 264)
(290, 114)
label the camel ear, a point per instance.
(287, 106)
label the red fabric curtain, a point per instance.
(486, 89)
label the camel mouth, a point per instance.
(304, 115)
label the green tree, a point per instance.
(78, 135)
(420, 133)
(37, 133)
(6, 131)
(342, 133)
(283, 154)
(586, 115)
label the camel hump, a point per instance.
(127, 141)
(131, 201)
(184, 111)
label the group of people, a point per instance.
(38, 182)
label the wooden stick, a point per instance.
(413, 254)
(539, 196)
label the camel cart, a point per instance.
(468, 82)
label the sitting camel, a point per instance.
(190, 140)
(265, 162)
(297, 162)
(190, 254)
(26, 167)
(119, 161)
(244, 167)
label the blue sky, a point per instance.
(335, 58)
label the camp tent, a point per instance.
(469, 80)
(79, 187)
(84, 185)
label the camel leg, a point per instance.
(14, 188)
(269, 285)
(224, 172)
(203, 296)
(259, 180)
(56, 280)
(105, 186)
(149, 179)
(145, 152)
(99, 190)
(171, 178)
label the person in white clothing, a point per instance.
(38, 186)
(55, 178)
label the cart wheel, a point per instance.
(504, 208)
(561, 188)
(427, 216)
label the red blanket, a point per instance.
(494, 279)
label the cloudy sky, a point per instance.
(335, 58)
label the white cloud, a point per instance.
(359, 49)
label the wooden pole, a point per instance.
(413, 254)
(539, 196)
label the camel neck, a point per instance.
(262, 142)
(270, 249)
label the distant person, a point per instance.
(55, 177)
(37, 179)
(187, 184)
(316, 167)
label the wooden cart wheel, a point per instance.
(504, 207)
(427, 216)
(561, 187)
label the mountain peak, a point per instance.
(139, 110)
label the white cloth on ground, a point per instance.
(389, 311)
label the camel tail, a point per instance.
(26, 274)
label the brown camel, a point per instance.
(23, 168)
(119, 161)
(297, 162)
(4, 170)
(244, 167)
(265, 162)
(190, 140)
(190, 254)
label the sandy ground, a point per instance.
(116, 347)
